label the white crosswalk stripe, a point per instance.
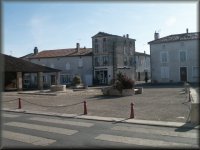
(58, 121)
(10, 116)
(140, 141)
(157, 132)
(42, 128)
(27, 138)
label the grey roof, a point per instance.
(139, 53)
(176, 37)
(102, 34)
(13, 64)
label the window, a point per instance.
(124, 48)
(67, 66)
(164, 57)
(96, 47)
(182, 56)
(104, 45)
(97, 61)
(195, 72)
(125, 61)
(105, 60)
(164, 72)
(66, 78)
(80, 63)
(131, 61)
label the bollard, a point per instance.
(189, 96)
(19, 104)
(85, 108)
(132, 111)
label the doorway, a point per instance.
(102, 77)
(183, 74)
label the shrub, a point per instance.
(76, 80)
(123, 82)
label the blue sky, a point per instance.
(57, 25)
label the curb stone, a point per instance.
(109, 119)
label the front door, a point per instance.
(102, 77)
(183, 74)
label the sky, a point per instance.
(58, 25)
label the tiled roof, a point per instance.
(63, 53)
(13, 64)
(176, 37)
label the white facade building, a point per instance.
(142, 66)
(71, 62)
(175, 58)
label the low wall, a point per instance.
(55, 88)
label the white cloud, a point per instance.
(171, 21)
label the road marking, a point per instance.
(74, 123)
(42, 128)
(139, 141)
(10, 115)
(157, 132)
(27, 138)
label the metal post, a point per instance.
(85, 108)
(19, 104)
(132, 111)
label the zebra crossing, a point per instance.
(109, 135)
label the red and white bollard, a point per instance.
(132, 111)
(19, 103)
(85, 108)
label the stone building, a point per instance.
(175, 58)
(142, 66)
(71, 62)
(112, 54)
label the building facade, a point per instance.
(142, 66)
(71, 62)
(174, 58)
(112, 54)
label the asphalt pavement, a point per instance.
(22, 130)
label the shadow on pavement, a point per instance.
(186, 127)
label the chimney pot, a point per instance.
(187, 30)
(35, 50)
(156, 36)
(77, 46)
(127, 36)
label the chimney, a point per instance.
(127, 36)
(84, 47)
(187, 30)
(77, 46)
(156, 35)
(123, 35)
(144, 52)
(35, 50)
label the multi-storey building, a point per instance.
(142, 66)
(175, 58)
(112, 54)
